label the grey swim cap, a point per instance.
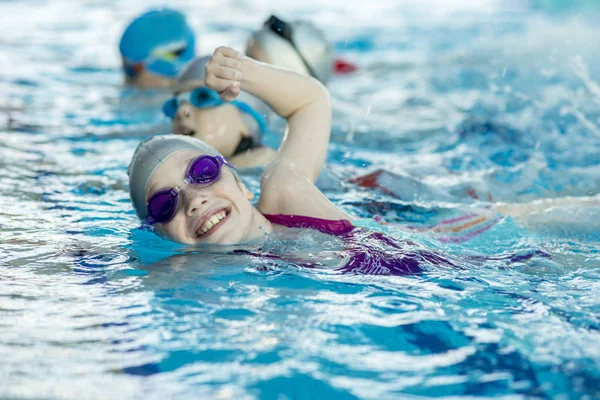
(193, 71)
(193, 75)
(149, 155)
(310, 42)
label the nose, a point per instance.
(183, 112)
(194, 202)
(183, 122)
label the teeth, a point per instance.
(207, 225)
(214, 220)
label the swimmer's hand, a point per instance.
(224, 73)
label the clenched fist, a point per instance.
(224, 73)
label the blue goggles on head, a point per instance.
(200, 97)
(167, 61)
(203, 97)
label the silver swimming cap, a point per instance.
(310, 42)
(149, 155)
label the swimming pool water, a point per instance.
(465, 102)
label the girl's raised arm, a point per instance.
(302, 100)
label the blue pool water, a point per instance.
(462, 103)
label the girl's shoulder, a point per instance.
(284, 190)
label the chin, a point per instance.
(224, 240)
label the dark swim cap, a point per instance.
(159, 41)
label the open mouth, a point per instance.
(212, 224)
(188, 132)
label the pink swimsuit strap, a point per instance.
(336, 227)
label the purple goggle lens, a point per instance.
(204, 170)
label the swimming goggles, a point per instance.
(165, 61)
(284, 30)
(201, 97)
(204, 97)
(204, 170)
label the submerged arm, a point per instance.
(522, 210)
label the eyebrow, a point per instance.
(153, 189)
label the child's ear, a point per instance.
(249, 195)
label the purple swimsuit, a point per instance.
(368, 252)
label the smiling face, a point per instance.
(222, 127)
(220, 213)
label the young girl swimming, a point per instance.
(233, 128)
(186, 191)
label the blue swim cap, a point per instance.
(159, 41)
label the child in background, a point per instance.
(212, 195)
(234, 129)
(298, 46)
(155, 46)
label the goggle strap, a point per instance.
(148, 224)
(224, 161)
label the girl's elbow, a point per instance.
(321, 90)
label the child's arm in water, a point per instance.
(523, 210)
(287, 185)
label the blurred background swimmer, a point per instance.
(235, 129)
(298, 46)
(155, 46)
